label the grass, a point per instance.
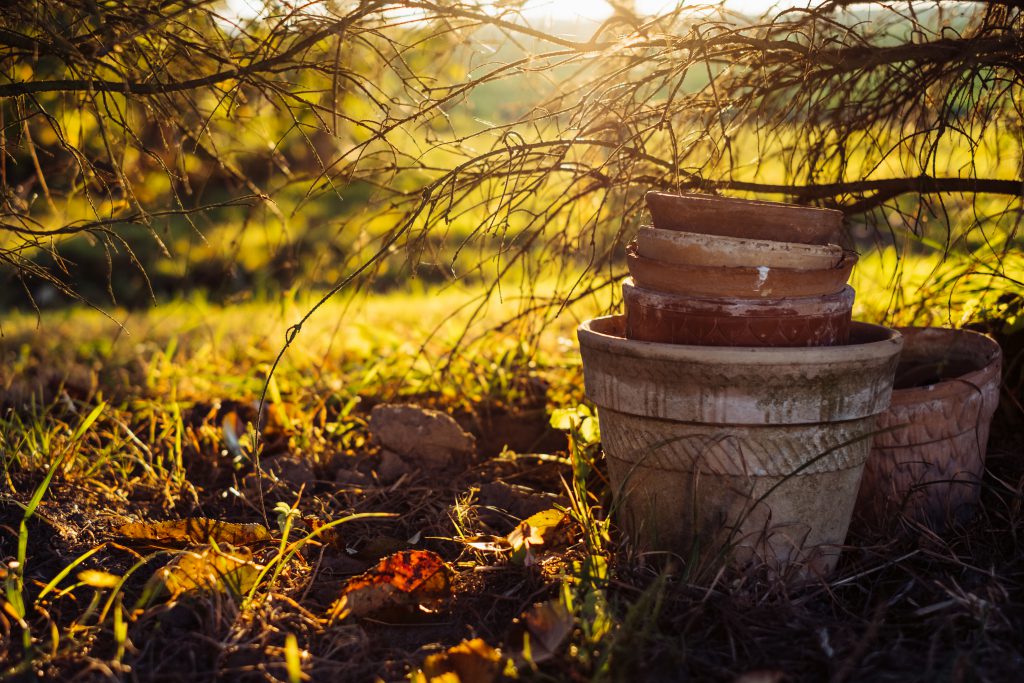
(101, 426)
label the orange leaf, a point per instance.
(197, 530)
(404, 581)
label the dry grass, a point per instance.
(918, 607)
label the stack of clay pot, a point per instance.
(736, 399)
(716, 271)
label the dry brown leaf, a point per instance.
(404, 581)
(471, 661)
(224, 569)
(548, 528)
(546, 626)
(197, 530)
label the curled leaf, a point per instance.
(548, 528)
(404, 581)
(197, 530)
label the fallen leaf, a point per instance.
(197, 530)
(471, 661)
(98, 579)
(404, 581)
(222, 569)
(545, 626)
(547, 528)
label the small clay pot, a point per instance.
(927, 461)
(762, 282)
(673, 319)
(729, 217)
(698, 249)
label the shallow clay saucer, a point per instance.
(751, 219)
(738, 282)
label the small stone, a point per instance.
(422, 437)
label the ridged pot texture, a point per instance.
(754, 453)
(929, 455)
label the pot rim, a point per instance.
(788, 306)
(967, 383)
(778, 249)
(596, 334)
(848, 260)
(795, 209)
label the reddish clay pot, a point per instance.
(672, 319)
(761, 282)
(927, 461)
(746, 218)
(698, 249)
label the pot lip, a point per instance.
(967, 383)
(796, 209)
(716, 242)
(888, 342)
(848, 261)
(840, 302)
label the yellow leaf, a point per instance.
(98, 579)
(547, 528)
(471, 661)
(226, 569)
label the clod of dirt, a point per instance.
(427, 438)
(291, 468)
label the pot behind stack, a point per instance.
(713, 271)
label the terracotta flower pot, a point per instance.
(674, 319)
(927, 465)
(697, 249)
(730, 217)
(744, 283)
(756, 453)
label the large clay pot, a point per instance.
(747, 218)
(743, 283)
(755, 453)
(698, 249)
(929, 456)
(673, 319)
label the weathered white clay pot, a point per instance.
(927, 462)
(756, 453)
(751, 219)
(698, 249)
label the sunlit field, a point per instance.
(259, 259)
